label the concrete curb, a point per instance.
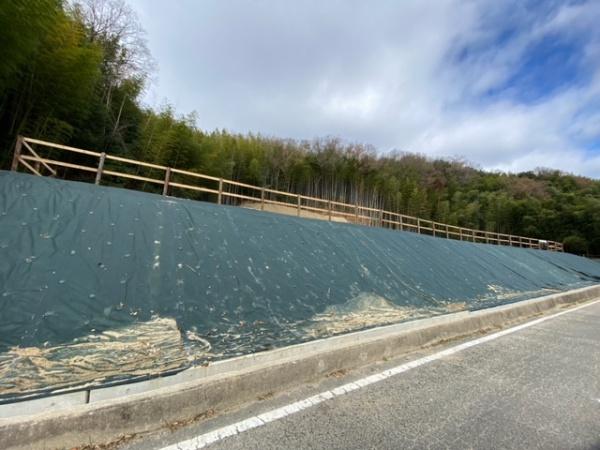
(67, 421)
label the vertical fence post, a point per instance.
(433, 228)
(262, 199)
(447, 234)
(100, 167)
(220, 195)
(381, 218)
(418, 225)
(299, 205)
(401, 223)
(460, 233)
(355, 213)
(17, 154)
(329, 209)
(166, 182)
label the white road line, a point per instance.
(257, 421)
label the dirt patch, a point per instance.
(363, 311)
(337, 373)
(293, 211)
(144, 348)
(369, 310)
(266, 396)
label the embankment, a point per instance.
(102, 285)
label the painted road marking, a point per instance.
(206, 439)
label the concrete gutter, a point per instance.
(106, 415)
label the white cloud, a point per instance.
(393, 74)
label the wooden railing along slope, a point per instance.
(26, 155)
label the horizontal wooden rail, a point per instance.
(53, 162)
(330, 208)
(194, 174)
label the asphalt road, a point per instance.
(538, 387)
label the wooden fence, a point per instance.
(26, 155)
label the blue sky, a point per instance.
(509, 85)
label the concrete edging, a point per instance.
(67, 421)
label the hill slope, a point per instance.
(101, 283)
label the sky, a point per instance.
(506, 85)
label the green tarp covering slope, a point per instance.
(100, 284)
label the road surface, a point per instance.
(534, 387)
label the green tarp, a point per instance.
(99, 284)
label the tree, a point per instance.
(594, 247)
(575, 244)
(52, 92)
(24, 25)
(114, 27)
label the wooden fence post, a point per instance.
(418, 225)
(329, 208)
(355, 213)
(17, 154)
(262, 199)
(298, 205)
(460, 233)
(166, 183)
(220, 195)
(433, 228)
(100, 167)
(401, 224)
(381, 218)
